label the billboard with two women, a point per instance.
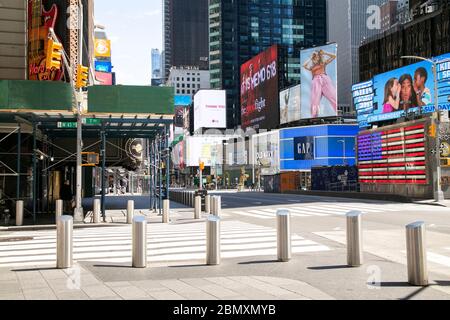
(319, 82)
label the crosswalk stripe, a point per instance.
(438, 258)
(183, 242)
(241, 213)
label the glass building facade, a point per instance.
(241, 29)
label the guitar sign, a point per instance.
(40, 21)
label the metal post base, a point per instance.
(284, 245)
(78, 215)
(354, 239)
(416, 254)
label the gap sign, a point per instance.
(304, 148)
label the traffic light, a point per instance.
(54, 55)
(202, 166)
(432, 130)
(82, 76)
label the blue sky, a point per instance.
(134, 27)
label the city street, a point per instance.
(249, 270)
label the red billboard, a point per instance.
(105, 78)
(259, 91)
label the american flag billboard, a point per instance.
(396, 156)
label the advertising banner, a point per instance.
(319, 82)
(290, 105)
(102, 48)
(210, 109)
(259, 91)
(103, 66)
(400, 92)
(266, 152)
(201, 148)
(304, 148)
(182, 100)
(105, 78)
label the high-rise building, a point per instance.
(239, 30)
(156, 64)
(185, 34)
(188, 80)
(350, 22)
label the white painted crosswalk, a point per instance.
(166, 243)
(329, 209)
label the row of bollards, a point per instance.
(415, 248)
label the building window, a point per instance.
(188, 79)
(183, 91)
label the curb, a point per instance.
(53, 227)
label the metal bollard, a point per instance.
(166, 211)
(218, 206)
(355, 254)
(139, 242)
(213, 241)
(96, 211)
(416, 254)
(198, 207)
(130, 211)
(284, 239)
(212, 207)
(208, 204)
(19, 213)
(64, 245)
(59, 209)
(192, 202)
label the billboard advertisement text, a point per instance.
(210, 109)
(290, 105)
(259, 91)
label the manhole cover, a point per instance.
(16, 239)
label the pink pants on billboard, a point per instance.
(322, 86)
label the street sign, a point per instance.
(92, 121)
(73, 125)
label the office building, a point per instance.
(185, 34)
(239, 30)
(188, 80)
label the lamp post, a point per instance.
(438, 194)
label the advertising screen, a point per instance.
(259, 91)
(403, 91)
(210, 109)
(103, 66)
(105, 78)
(290, 105)
(201, 149)
(319, 82)
(182, 100)
(102, 48)
(266, 152)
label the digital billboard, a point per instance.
(102, 48)
(210, 109)
(266, 152)
(403, 91)
(103, 66)
(182, 100)
(319, 82)
(290, 105)
(259, 91)
(105, 78)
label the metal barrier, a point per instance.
(218, 206)
(96, 211)
(64, 245)
(284, 239)
(59, 210)
(198, 207)
(213, 241)
(139, 258)
(166, 211)
(416, 254)
(355, 254)
(208, 204)
(130, 211)
(19, 213)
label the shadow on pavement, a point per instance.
(330, 267)
(259, 262)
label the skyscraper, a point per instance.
(239, 30)
(185, 34)
(156, 64)
(350, 22)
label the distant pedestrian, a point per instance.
(67, 197)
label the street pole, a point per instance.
(439, 194)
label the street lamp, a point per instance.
(438, 194)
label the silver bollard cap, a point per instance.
(283, 212)
(213, 218)
(65, 218)
(415, 225)
(353, 214)
(139, 219)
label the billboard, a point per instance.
(105, 78)
(103, 66)
(400, 92)
(202, 149)
(102, 48)
(259, 91)
(290, 105)
(210, 109)
(182, 100)
(319, 82)
(266, 152)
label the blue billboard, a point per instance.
(403, 91)
(183, 100)
(303, 148)
(103, 66)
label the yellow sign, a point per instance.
(103, 48)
